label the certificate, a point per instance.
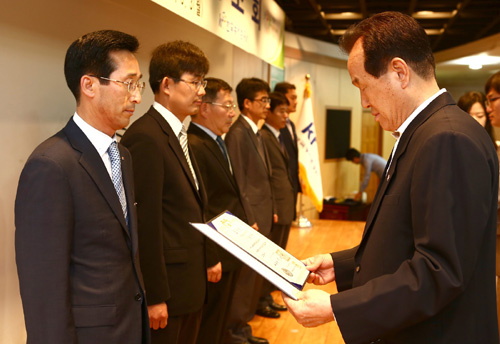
(258, 252)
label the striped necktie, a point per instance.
(184, 144)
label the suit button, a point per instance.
(138, 297)
(358, 268)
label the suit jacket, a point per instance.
(173, 259)
(252, 174)
(425, 267)
(293, 155)
(77, 260)
(221, 188)
(284, 195)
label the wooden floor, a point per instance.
(325, 236)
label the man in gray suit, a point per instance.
(251, 169)
(76, 222)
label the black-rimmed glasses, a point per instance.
(132, 85)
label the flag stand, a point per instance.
(302, 221)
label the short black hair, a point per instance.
(175, 58)
(248, 88)
(277, 99)
(215, 85)
(351, 154)
(388, 35)
(283, 87)
(90, 54)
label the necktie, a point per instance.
(223, 148)
(184, 144)
(116, 176)
(282, 143)
(260, 148)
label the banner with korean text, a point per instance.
(256, 26)
(309, 169)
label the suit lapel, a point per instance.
(441, 101)
(254, 139)
(175, 146)
(92, 163)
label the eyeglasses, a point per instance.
(197, 84)
(490, 102)
(264, 100)
(228, 107)
(132, 85)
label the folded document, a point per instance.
(258, 252)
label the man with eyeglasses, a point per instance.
(214, 120)
(170, 194)
(252, 170)
(281, 183)
(76, 222)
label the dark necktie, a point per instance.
(223, 148)
(116, 176)
(282, 142)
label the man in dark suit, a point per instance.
(425, 266)
(170, 194)
(205, 131)
(251, 168)
(76, 223)
(288, 137)
(281, 184)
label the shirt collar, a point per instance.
(206, 130)
(99, 140)
(254, 126)
(172, 120)
(399, 132)
(273, 130)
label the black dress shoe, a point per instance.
(267, 312)
(257, 340)
(277, 307)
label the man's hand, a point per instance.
(321, 267)
(313, 308)
(254, 226)
(214, 273)
(275, 218)
(158, 315)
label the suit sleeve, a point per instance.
(44, 234)
(237, 147)
(148, 180)
(452, 186)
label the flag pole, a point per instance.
(302, 221)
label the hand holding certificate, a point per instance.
(258, 252)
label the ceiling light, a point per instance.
(337, 32)
(475, 61)
(433, 15)
(434, 32)
(475, 66)
(344, 16)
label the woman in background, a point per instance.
(474, 103)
